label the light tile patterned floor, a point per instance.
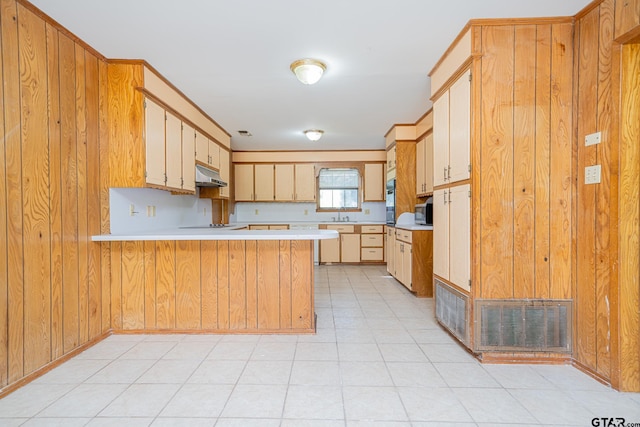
(379, 358)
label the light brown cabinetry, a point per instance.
(284, 182)
(268, 182)
(225, 164)
(188, 157)
(154, 121)
(207, 151)
(305, 183)
(424, 166)
(263, 182)
(451, 135)
(391, 250)
(374, 182)
(410, 259)
(356, 243)
(268, 226)
(243, 180)
(627, 17)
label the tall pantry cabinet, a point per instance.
(502, 117)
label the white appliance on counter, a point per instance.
(316, 245)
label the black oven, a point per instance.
(391, 202)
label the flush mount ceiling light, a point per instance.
(308, 71)
(313, 134)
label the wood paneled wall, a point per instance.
(521, 160)
(606, 289)
(52, 117)
(214, 286)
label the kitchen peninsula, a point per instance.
(213, 280)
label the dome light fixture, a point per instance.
(308, 71)
(313, 134)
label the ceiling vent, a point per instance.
(244, 133)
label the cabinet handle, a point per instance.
(449, 173)
(444, 198)
(445, 173)
(449, 196)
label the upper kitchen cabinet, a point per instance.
(207, 151)
(627, 18)
(502, 153)
(153, 129)
(305, 182)
(267, 182)
(451, 115)
(424, 155)
(374, 182)
(401, 140)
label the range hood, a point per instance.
(206, 177)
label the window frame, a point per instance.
(360, 169)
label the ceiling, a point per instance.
(232, 58)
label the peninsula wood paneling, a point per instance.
(223, 286)
(50, 180)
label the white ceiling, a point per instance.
(232, 58)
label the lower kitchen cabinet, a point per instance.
(350, 247)
(412, 260)
(391, 250)
(355, 244)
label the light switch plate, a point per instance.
(592, 174)
(592, 139)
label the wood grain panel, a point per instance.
(133, 285)
(4, 285)
(55, 191)
(542, 221)
(126, 118)
(188, 292)
(497, 163)
(268, 289)
(92, 88)
(561, 190)
(406, 167)
(627, 16)
(149, 260)
(70, 284)
(629, 220)
(165, 284)
(209, 283)
(603, 193)
(81, 156)
(587, 113)
(285, 283)
(116, 285)
(104, 194)
(524, 111)
(35, 191)
(251, 256)
(13, 159)
(302, 285)
(223, 285)
(237, 285)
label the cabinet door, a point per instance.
(374, 182)
(284, 183)
(441, 233)
(428, 163)
(460, 236)
(330, 250)
(406, 265)
(391, 249)
(459, 126)
(397, 264)
(173, 138)
(202, 148)
(420, 166)
(263, 183)
(391, 163)
(441, 139)
(244, 183)
(350, 247)
(155, 143)
(214, 155)
(224, 172)
(305, 182)
(188, 158)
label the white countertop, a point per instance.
(219, 234)
(414, 227)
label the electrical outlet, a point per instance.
(204, 211)
(132, 210)
(256, 211)
(153, 210)
(592, 174)
(149, 210)
(306, 211)
(367, 211)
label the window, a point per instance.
(339, 188)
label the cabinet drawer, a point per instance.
(404, 235)
(372, 229)
(341, 228)
(372, 254)
(258, 227)
(371, 240)
(279, 227)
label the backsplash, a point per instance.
(170, 211)
(303, 212)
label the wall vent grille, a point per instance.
(452, 310)
(523, 325)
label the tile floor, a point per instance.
(378, 358)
